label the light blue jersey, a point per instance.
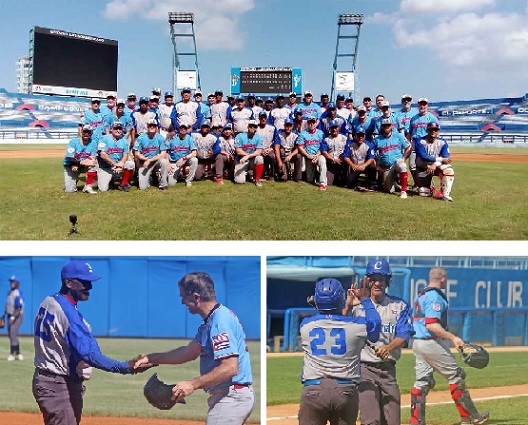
(311, 141)
(96, 120)
(221, 335)
(114, 148)
(390, 149)
(77, 151)
(430, 306)
(418, 125)
(404, 118)
(248, 145)
(149, 147)
(177, 148)
(313, 109)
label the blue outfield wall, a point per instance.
(138, 296)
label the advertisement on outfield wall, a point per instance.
(71, 91)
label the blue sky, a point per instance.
(441, 49)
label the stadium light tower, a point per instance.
(182, 26)
(346, 80)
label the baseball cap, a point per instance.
(183, 125)
(323, 95)
(227, 127)
(198, 93)
(95, 99)
(152, 121)
(263, 114)
(120, 101)
(76, 269)
(210, 94)
(153, 97)
(186, 90)
(367, 98)
(340, 97)
(205, 124)
(334, 123)
(297, 112)
(384, 103)
(288, 121)
(361, 108)
(143, 99)
(311, 118)
(156, 90)
(110, 96)
(252, 122)
(331, 105)
(14, 278)
(218, 92)
(169, 94)
(386, 121)
(117, 124)
(279, 96)
(230, 96)
(360, 130)
(349, 99)
(87, 127)
(423, 100)
(292, 94)
(238, 97)
(308, 93)
(251, 95)
(131, 96)
(433, 125)
(406, 96)
(269, 99)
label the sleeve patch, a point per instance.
(221, 342)
(436, 307)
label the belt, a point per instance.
(240, 386)
(49, 374)
(309, 382)
(427, 338)
(381, 365)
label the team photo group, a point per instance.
(157, 141)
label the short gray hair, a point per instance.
(200, 283)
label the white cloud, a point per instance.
(216, 21)
(443, 6)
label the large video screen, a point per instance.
(70, 60)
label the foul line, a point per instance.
(497, 397)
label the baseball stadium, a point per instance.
(487, 307)
(134, 308)
(486, 137)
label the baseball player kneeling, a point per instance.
(182, 152)
(81, 157)
(433, 159)
(248, 148)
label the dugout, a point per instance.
(139, 296)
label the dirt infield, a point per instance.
(17, 418)
(286, 414)
(466, 157)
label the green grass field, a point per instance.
(490, 204)
(505, 368)
(110, 394)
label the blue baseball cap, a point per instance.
(262, 114)
(331, 105)
(240, 98)
(340, 97)
(169, 94)
(360, 130)
(323, 95)
(334, 123)
(269, 99)
(288, 121)
(186, 90)
(251, 95)
(311, 118)
(14, 278)
(81, 270)
(143, 99)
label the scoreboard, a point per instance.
(266, 80)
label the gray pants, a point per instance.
(13, 330)
(379, 396)
(230, 406)
(174, 171)
(241, 170)
(60, 398)
(390, 175)
(329, 401)
(71, 178)
(106, 175)
(434, 355)
(145, 174)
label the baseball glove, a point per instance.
(159, 394)
(474, 355)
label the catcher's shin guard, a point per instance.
(463, 402)
(418, 406)
(447, 184)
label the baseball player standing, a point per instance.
(332, 345)
(81, 157)
(219, 110)
(405, 114)
(225, 367)
(186, 112)
(95, 119)
(165, 112)
(360, 158)
(269, 135)
(433, 159)
(140, 118)
(224, 151)
(65, 349)
(432, 350)
(332, 148)
(14, 309)
(279, 114)
(379, 394)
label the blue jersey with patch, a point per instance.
(77, 151)
(430, 306)
(249, 145)
(311, 141)
(404, 118)
(177, 148)
(394, 120)
(390, 149)
(368, 125)
(63, 340)
(149, 147)
(114, 148)
(313, 109)
(96, 120)
(418, 124)
(221, 335)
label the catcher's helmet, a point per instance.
(378, 267)
(329, 295)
